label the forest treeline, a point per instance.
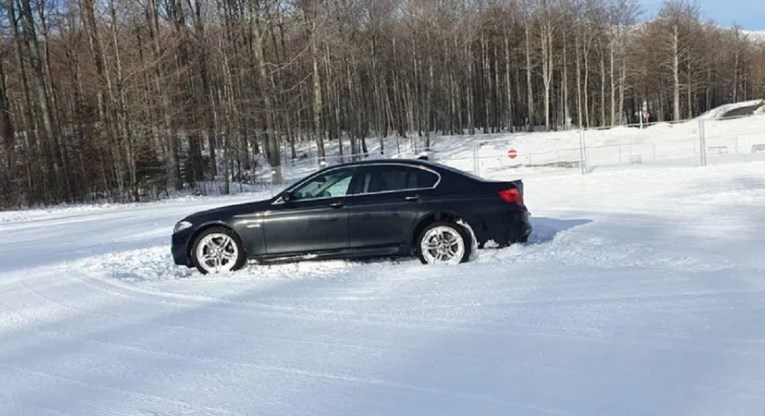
(127, 99)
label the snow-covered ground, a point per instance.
(642, 292)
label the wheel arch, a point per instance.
(206, 226)
(432, 217)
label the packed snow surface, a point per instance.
(641, 292)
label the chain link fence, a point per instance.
(698, 142)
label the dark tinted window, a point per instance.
(425, 179)
(395, 178)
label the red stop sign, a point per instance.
(512, 153)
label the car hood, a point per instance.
(228, 211)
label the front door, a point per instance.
(314, 219)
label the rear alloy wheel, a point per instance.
(444, 243)
(218, 250)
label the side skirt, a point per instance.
(345, 254)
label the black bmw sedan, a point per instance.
(381, 208)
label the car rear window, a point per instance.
(425, 179)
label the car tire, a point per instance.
(446, 239)
(218, 249)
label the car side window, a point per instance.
(395, 178)
(331, 184)
(425, 179)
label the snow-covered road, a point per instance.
(641, 293)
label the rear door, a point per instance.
(387, 200)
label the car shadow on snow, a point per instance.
(545, 229)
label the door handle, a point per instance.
(337, 204)
(412, 198)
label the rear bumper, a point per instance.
(180, 248)
(509, 227)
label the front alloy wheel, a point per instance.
(444, 243)
(218, 250)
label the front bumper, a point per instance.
(180, 247)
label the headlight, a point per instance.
(181, 226)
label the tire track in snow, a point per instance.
(381, 319)
(272, 369)
(141, 397)
(530, 330)
(217, 363)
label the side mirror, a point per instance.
(288, 197)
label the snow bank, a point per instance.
(719, 112)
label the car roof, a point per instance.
(411, 162)
(437, 167)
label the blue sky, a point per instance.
(749, 14)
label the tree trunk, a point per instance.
(675, 73)
(259, 61)
(566, 111)
(547, 66)
(613, 83)
(529, 86)
(7, 131)
(123, 118)
(318, 106)
(581, 118)
(602, 88)
(32, 50)
(205, 100)
(508, 86)
(171, 138)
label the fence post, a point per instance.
(271, 183)
(702, 144)
(476, 169)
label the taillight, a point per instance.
(511, 196)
